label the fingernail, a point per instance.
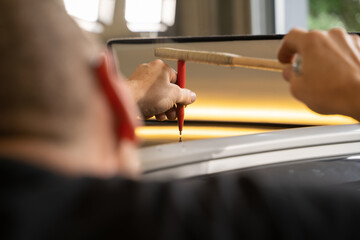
(193, 97)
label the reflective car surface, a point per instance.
(326, 152)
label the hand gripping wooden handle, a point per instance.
(220, 58)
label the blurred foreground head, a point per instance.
(51, 105)
(44, 70)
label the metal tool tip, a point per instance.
(180, 139)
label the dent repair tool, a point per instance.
(220, 58)
(216, 58)
(180, 109)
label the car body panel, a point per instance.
(208, 156)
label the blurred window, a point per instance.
(87, 10)
(91, 15)
(327, 14)
(150, 15)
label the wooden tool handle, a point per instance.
(220, 58)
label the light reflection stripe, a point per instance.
(191, 132)
(249, 114)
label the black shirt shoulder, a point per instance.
(39, 204)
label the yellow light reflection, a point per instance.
(256, 112)
(171, 133)
(269, 111)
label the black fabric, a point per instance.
(38, 204)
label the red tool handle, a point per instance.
(181, 83)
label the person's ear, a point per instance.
(121, 102)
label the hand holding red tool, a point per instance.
(180, 109)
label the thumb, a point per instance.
(185, 96)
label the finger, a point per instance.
(352, 45)
(337, 32)
(295, 81)
(172, 75)
(185, 96)
(288, 73)
(355, 37)
(342, 39)
(356, 41)
(157, 62)
(338, 35)
(161, 117)
(166, 69)
(291, 44)
(171, 114)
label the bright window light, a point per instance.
(168, 12)
(107, 11)
(87, 10)
(143, 11)
(150, 15)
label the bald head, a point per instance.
(46, 79)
